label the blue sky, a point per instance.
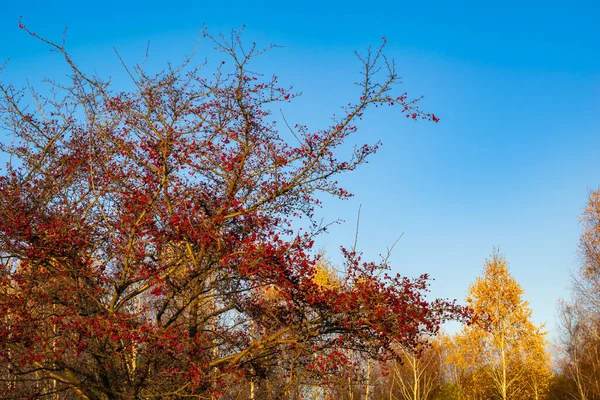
(516, 84)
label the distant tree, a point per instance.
(580, 316)
(417, 375)
(452, 376)
(503, 355)
(142, 231)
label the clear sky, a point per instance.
(516, 84)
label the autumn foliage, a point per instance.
(149, 239)
(503, 355)
(580, 315)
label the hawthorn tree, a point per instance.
(149, 245)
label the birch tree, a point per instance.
(417, 375)
(503, 354)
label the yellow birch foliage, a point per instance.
(503, 355)
(325, 276)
